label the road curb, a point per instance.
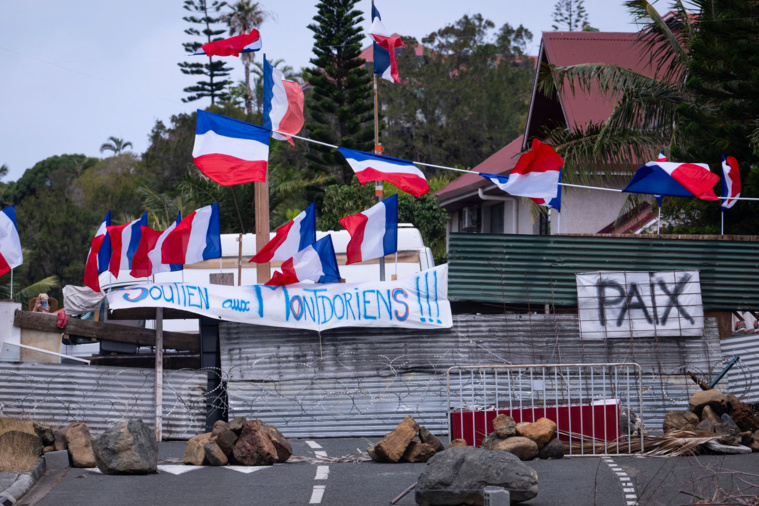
(22, 484)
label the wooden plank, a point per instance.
(148, 313)
(101, 330)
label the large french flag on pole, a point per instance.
(316, 262)
(230, 151)
(290, 238)
(374, 233)
(125, 239)
(731, 182)
(233, 46)
(675, 180)
(402, 173)
(196, 238)
(385, 61)
(99, 255)
(283, 104)
(10, 244)
(536, 174)
(147, 259)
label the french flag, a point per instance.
(731, 182)
(196, 238)
(675, 180)
(233, 46)
(316, 262)
(230, 151)
(125, 239)
(554, 203)
(99, 255)
(385, 61)
(290, 238)
(536, 174)
(147, 259)
(10, 245)
(374, 233)
(283, 104)
(402, 173)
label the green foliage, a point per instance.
(570, 14)
(339, 103)
(463, 99)
(110, 184)
(115, 145)
(169, 155)
(205, 14)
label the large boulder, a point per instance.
(226, 440)
(553, 450)
(393, 445)
(459, 475)
(79, 443)
(522, 447)
(214, 455)
(195, 453)
(129, 447)
(504, 426)
(740, 412)
(45, 433)
(712, 398)
(457, 443)
(428, 438)
(418, 452)
(679, 420)
(254, 446)
(284, 450)
(59, 440)
(541, 431)
(237, 424)
(708, 414)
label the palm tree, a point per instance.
(116, 145)
(3, 170)
(244, 16)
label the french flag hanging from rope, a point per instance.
(196, 238)
(230, 151)
(385, 61)
(290, 238)
(675, 180)
(147, 259)
(11, 255)
(317, 262)
(99, 255)
(554, 203)
(233, 46)
(374, 232)
(536, 174)
(125, 239)
(402, 173)
(731, 182)
(283, 104)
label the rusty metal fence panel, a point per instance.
(598, 408)
(101, 396)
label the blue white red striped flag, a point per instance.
(290, 238)
(374, 232)
(196, 238)
(316, 262)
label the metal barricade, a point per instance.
(598, 408)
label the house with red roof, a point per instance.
(477, 206)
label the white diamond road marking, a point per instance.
(319, 453)
(313, 444)
(247, 469)
(177, 469)
(627, 487)
(317, 494)
(322, 472)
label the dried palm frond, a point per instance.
(358, 457)
(673, 443)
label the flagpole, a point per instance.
(378, 190)
(722, 214)
(11, 283)
(658, 222)
(263, 270)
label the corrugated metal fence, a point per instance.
(101, 396)
(352, 382)
(531, 269)
(743, 378)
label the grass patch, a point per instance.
(20, 448)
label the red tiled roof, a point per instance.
(500, 162)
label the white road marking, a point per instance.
(628, 489)
(247, 469)
(322, 472)
(319, 453)
(177, 469)
(313, 444)
(317, 494)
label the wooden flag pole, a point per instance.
(263, 271)
(378, 190)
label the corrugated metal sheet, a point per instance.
(101, 396)
(354, 382)
(522, 269)
(743, 378)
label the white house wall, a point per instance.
(587, 211)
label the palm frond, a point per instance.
(26, 293)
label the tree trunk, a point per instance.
(248, 94)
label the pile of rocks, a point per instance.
(525, 440)
(713, 411)
(239, 442)
(75, 438)
(406, 443)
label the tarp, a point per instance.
(419, 302)
(81, 299)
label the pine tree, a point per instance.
(570, 13)
(340, 101)
(214, 70)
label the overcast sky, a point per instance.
(77, 72)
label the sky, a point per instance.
(74, 73)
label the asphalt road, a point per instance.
(576, 481)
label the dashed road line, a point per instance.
(631, 498)
(317, 494)
(322, 472)
(319, 453)
(313, 444)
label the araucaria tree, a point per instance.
(570, 14)
(205, 18)
(340, 102)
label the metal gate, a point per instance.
(598, 408)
